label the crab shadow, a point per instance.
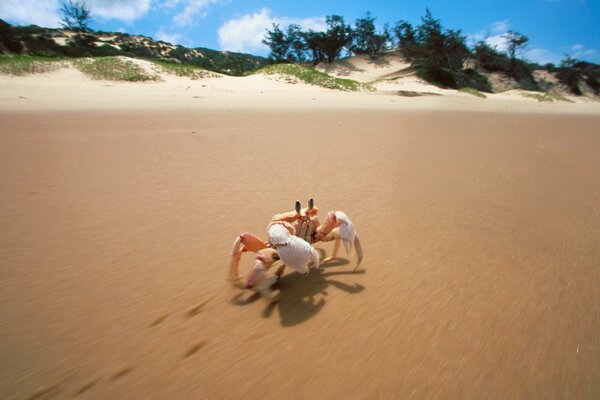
(302, 297)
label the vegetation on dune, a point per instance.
(491, 60)
(224, 62)
(572, 73)
(113, 69)
(23, 64)
(311, 76)
(38, 41)
(546, 97)
(472, 91)
(185, 70)
(438, 55)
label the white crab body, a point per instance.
(306, 227)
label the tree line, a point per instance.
(439, 55)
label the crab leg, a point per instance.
(244, 242)
(258, 279)
(333, 235)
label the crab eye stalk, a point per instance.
(311, 203)
(298, 206)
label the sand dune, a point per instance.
(364, 69)
(69, 89)
(479, 220)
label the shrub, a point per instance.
(113, 69)
(24, 65)
(473, 91)
(313, 77)
(185, 70)
(8, 39)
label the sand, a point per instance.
(480, 229)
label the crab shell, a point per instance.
(293, 251)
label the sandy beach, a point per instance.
(480, 223)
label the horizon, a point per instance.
(555, 28)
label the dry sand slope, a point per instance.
(480, 277)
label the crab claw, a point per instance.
(279, 235)
(292, 251)
(347, 231)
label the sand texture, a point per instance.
(481, 235)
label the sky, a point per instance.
(554, 27)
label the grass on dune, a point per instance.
(113, 69)
(23, 65)
(295, 72)
(185, 70)
(547, 97)
(473, 91)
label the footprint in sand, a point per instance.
(194, 349)
(88, 386)
(120, 371)
(159, 320)
(47, 392)
(197, 309)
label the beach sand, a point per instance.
(480, 232)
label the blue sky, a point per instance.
(554, 27)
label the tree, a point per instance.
(8, 39)
(314, 43)
(336, 38)
(431, 38)
(75, 16)
(407, 40)
(489, 58)
(365, 39)
(515, 43)
(455, 49)
(296, 43)
(277, 42)
(569, 75)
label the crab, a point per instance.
(291, 236)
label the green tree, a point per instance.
(278, 44)
(314, 42)
(569, 75)
(431, 39)
(365, 39)
(337, 37)
(515, 43)
(8, 39)
(407, 38)
(489, 58)
(75, 16)
(297, 45)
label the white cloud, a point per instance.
(579, 51)
(172, 38)
(170, 3)
(124, 10)
(191, 9)
(498, 42)
(500, 26)
(245, 34)
(38, 12)
(541, 56)
(493, 36)
(46, 12)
